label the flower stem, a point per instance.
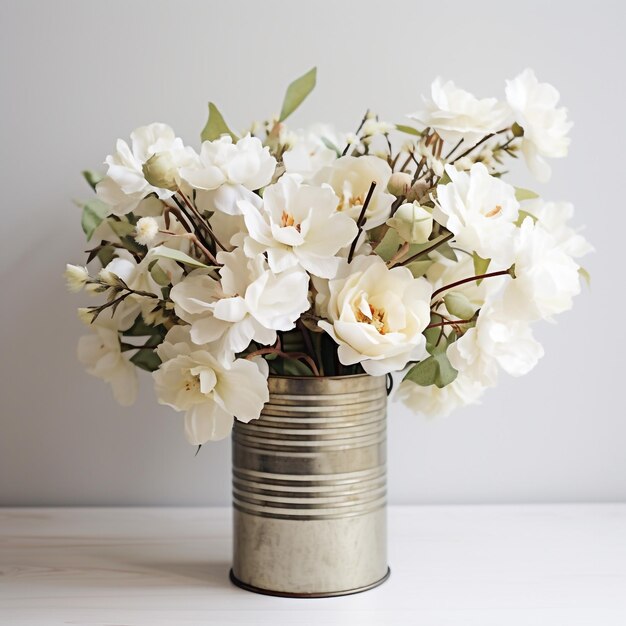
(426, 251)
(471, 279)
(361, 221)
(485, 138)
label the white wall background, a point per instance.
(76, 75)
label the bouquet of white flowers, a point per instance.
(315, 253)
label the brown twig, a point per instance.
(426, 251)
(287, 355)
(361, 220)
(470, 279)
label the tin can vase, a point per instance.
(309, 489)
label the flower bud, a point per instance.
(160, 171)
(399, 184)
(76, 277)
(108, 278)
(146, 230)
(517, 130)
(413, 222)
(417, 191)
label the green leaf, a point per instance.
(331, 146)
(409, 130)
(139, 328)
(94, 212)
(435, 370)
(447, 251)
(162, 252)
(105, 255)
(216, 126)
(419, 268)
(459, 305)
(480, 265)
(146, 359)
(524, 194)
(92, 178)
(444, 180)
(389, 245)
(121, 228)
(586, 276)
(159, 275)
(522, 215)
(297, 92)
(293, 367)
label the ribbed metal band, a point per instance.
(317, 452)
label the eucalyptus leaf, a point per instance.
(146, 359)
(389, 245)
(293, 367)
(297, 92)
(159, 275)
(419, 268)
(435, 370)
(524, 194)
(92, 178)
(586, 276)
(139, 328)
(480, 265)
(331, 146)
(216, 126)
(409, 130)
(162, 252)
(121, 228)
(522, 215)
(94, 212)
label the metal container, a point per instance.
(309, 489)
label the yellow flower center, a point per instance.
(495, 211)
(376, 318)
(287, 219)
(192, 384)
(349, 202)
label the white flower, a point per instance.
(76, 277)
(298, 225)
(227, 172)
(554, 217)
(413, 222)
(377, 315)
(146, 230)
(210, 392)
(480, 210)
(456, 114)
(309, 152)
(534, 106)
(125, 185)
(250, 303)
(351, 178)
(495, 341)
(546, 279)
(372, 127)
(440, 402)
(101, 353)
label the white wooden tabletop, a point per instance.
(562, 565)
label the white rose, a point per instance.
(456, 114)
(534, 106)
(480, 210)
(433, 401)
(210, 392)
(413, 222)
(298, 225)
(226, 172)
(377, 315)
(554, 217)
(125, 185)
(250, 303)
(546, 277)
(351, 178)
(495, 341)
(101, 353)
(309, 151)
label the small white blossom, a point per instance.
(76, 277)
(309, 150)
(413, 222)
(146, 230)
(546, 127)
